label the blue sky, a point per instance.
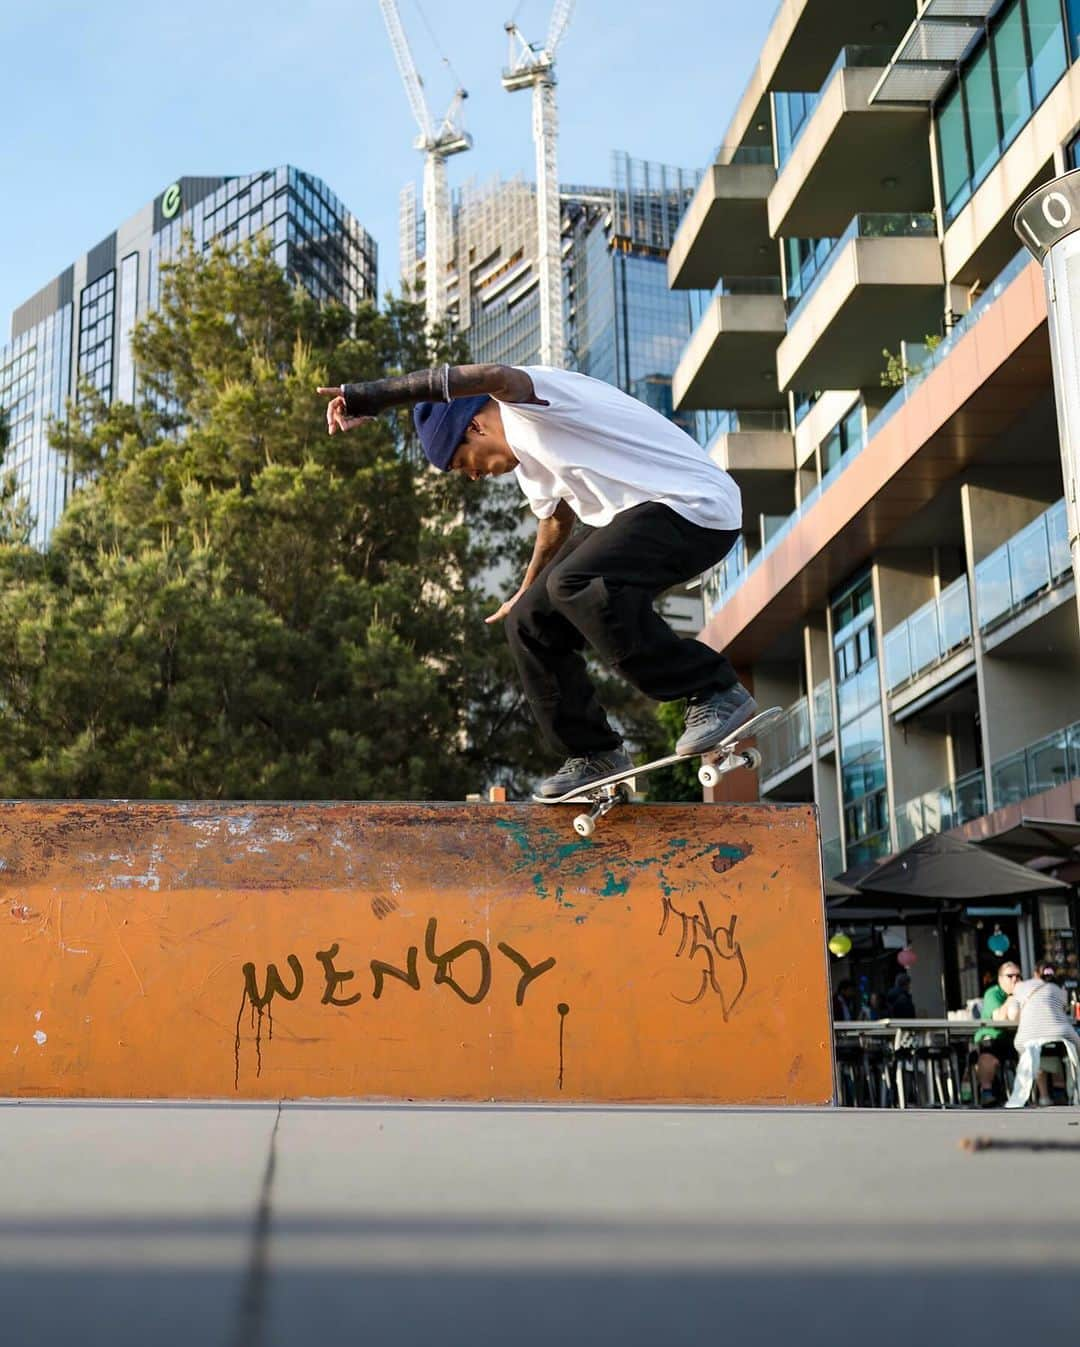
(107, 104)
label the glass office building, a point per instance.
(622, 323)
(77, 329)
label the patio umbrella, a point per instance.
(835, 888)
(947, 871)
(945, 868)
(1032, 838)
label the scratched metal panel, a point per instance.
(412, 952)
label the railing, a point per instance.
(1039, 767)
(929, 635)
(875, 225)
(1032, 560)
(742, 154)
(896, 402)
(732, 423)
(715, 583)
(748, 285)
(786, 740)
(938, 810)
(823, 716)
(832, 857)
(701, 300)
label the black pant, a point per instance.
(599, 590)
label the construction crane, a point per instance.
(437, 144)
(533, 67)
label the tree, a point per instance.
(235, 604)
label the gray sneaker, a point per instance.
(712, 717)
(576, 773)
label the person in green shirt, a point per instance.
(994, 1045)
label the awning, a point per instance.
(1032, 838)
(931, 49)
(946, 868)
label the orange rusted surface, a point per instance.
(411, 951)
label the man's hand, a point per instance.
(500, 613)
(337, 418)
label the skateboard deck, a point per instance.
(608, 791)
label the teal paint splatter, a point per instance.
(545, 853)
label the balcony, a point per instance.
(930, 638)
(946, 807)
(1034, 562)
(882, 282)
(730, 360)
(1041, 766)
(725, 231)
(801, 42)
(785, 744)
(759, 449)
(849, 150)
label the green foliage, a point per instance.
(235, 604)
(677, 783)
(897, 371)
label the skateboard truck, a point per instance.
(585, 824)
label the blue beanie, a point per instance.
(442, 426)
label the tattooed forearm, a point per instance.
(504, 382)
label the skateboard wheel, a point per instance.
(752, 759)
(584, 825)
(708, 775)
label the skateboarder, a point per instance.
(656, 512)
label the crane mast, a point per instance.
(532, 67)
(436, 143)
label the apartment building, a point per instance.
(874, 367)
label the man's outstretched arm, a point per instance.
(353, 402)
(551, 533)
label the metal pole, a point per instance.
(1048, 224)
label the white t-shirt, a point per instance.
(1043, 1012)
(603, 452)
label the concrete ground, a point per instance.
(254, 1226)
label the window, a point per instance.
(952, 144)
(1010, 58)
(1047, 46)
(997, 92)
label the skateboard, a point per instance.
(608, 791)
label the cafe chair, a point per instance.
(1028, 1067)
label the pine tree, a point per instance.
(235, 604)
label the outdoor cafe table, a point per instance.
(922, 1031)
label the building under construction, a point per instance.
(621, 322)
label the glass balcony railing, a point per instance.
(786, 740)
(929, 635)
(1018, 264)
(938, 810)
(742, 154)
(1039, 767)
(832, 857)
(1031, 562)
(823, 717)
(733, 423)
(716, 582)
(875, 225)
(701, 300)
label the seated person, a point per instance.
(846, 1001)
(898, 1002)
(995, 1046)
(1041, 1008)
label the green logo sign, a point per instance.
(170, 201)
